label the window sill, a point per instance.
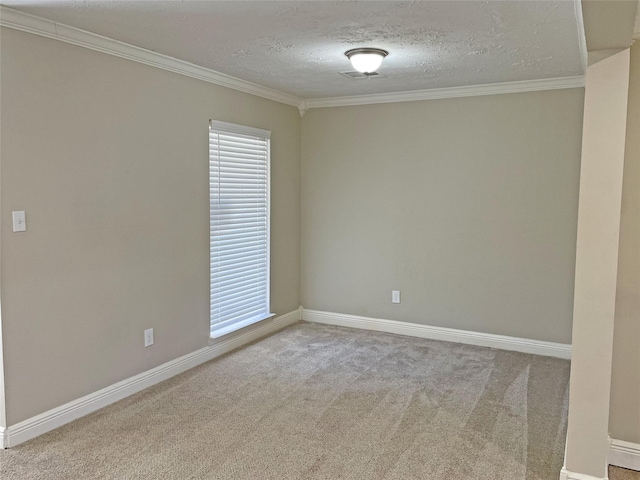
(215, 336)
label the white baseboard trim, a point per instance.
(47, 421)
(537, 347)
(624, 454)
(567, 475)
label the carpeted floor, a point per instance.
(323, 402)
(616, 473)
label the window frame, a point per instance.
(232, 326)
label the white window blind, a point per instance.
(239, 226)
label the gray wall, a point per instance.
(624, 420)
(109, 160)
(468, 206)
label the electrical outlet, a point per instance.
(395, 296)
(148, 337)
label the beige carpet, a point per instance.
(616, 473)
(323, 402)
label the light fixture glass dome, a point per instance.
(366, 60)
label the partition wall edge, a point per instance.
(601, 171)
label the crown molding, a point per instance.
(450, 92)
(25, 22)
(636, 28)
(582, 37)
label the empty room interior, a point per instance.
(231, 248)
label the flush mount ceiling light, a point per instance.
(366, 60)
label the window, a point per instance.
(238, 226)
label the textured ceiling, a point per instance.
(297, 47)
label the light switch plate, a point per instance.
(395, 296)
(19, 222)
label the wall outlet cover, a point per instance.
(148, 337)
